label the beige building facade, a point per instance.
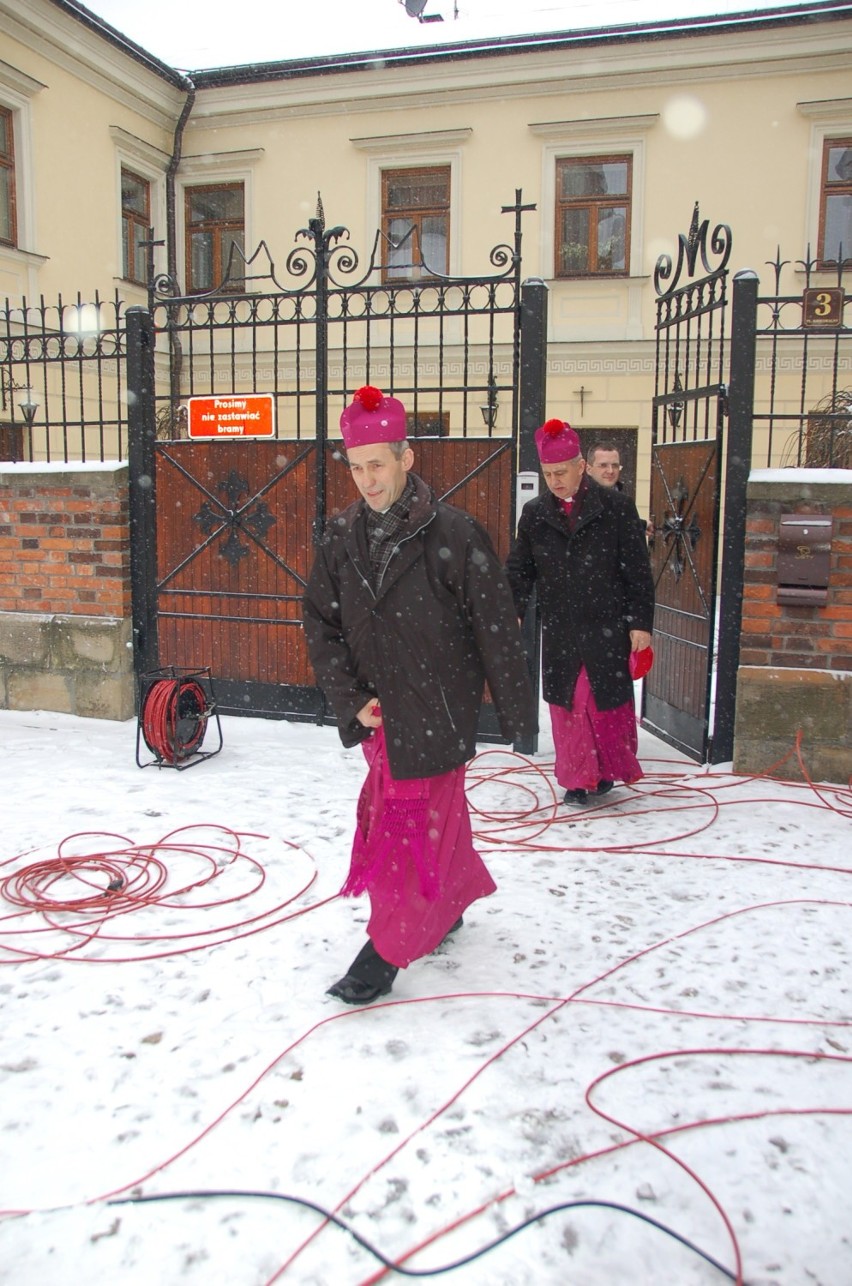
(612, 137)
(125, 183)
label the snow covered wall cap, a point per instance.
(556, 441)
(372, 417)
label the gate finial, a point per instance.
(667, 276)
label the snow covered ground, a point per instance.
(648, 1025)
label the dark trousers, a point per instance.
(371, 968)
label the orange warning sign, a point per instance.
(238, 415)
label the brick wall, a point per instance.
(65, 540)
(65, 589)
(796, 661)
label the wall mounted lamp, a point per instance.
(29, 406)
(676, 408)
(489, 410)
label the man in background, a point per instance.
(603, 463)
(582, 547)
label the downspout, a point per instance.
(175, 348)
(171, 172)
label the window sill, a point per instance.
(602, 277)
(27, 256)
(828, 269)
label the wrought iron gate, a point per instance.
(689, 405)
(224, 530)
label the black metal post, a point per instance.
(533, 396)
(321, 251)
(533, 381)
(518, 209)
(141, 438)
(738, 465)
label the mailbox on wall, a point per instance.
(804, 558)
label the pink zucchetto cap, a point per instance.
(556, 441)
(372, 417)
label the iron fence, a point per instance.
(449, 347)
(803, 368)
(62, 380)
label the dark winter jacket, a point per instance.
(441, 624)
(594, 587)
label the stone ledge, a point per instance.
(24, 639)
(775, 704)
(792, 486)
(774, 759)
(79, 665)
(90, 643)
(111, 479)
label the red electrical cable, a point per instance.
(167, 704)
(100, 884)
(714, 804)
(665, 790)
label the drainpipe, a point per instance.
(171, 219)
(175, 349)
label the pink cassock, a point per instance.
(594, 745)
(413, 854)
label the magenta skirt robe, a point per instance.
(594, 745)
(413, 854)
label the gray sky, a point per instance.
(195, 34)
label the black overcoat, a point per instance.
(425, 643)
(594, 586)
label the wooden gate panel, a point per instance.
(234, 526)
(689, 404)
(474, 474)
(684, 510)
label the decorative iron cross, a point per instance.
(257, 520)
(676, 530)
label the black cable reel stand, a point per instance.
(176, 705)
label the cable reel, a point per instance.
(176, 706)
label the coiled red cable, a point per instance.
(168, 704)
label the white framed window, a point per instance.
(592, 203)
(140, 204)
(215, 207)
(8, 185)
(17, 180)
(828, 211)
(416, 205)
(414, 197)
(215, 242)
(594, 198)
(135, 226)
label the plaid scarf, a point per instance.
(384, 530)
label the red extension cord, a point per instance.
(169, 706)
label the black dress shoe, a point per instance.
(602, 788)
(575, 797)
(453, 928)
(355, 992)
